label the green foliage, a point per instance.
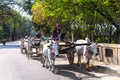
(27, 5)
(13, 24)
(87, 13)
(104, 40)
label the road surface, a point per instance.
(16, 66)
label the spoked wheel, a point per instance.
(70, 55)
(23, 50)
(29, 54)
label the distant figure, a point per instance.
(4, 41)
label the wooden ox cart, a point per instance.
(69, 49)
(30, 47)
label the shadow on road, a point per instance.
(73, 72)
(104, 70)
(70, 70)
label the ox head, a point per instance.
(94, 49)
(55, 47)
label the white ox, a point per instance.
(50, 51)
(27, 45)
(86, 51)
(24, 45)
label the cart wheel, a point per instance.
(23, 50)
(70, 55)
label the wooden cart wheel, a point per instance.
(70, 55)
(23, 50)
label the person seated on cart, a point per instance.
(57, 34)
(37, 39)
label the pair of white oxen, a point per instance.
(86, 51)
(50, 51)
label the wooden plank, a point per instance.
(118, 56)
(82, 44)
(73, 44)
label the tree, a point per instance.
(89, 12)
(27, 5)
(108, 9)
(13, 24)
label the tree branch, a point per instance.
(109, 18)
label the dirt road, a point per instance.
(16, 66)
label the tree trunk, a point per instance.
(72, 34)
